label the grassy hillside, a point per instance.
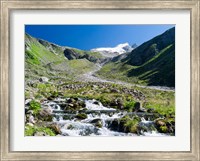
(47, 59)
(152, 63)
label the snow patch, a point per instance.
(119, 49)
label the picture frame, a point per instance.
(6, 8)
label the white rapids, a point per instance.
(86, 127)
(95, 105)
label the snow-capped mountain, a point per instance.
(114, 51)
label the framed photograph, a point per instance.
(100, 80)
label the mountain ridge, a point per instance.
(152, 63)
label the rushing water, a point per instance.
(75, 127)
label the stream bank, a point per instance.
(82, 117)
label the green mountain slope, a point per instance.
(152, 63)
(47, 59)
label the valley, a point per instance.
(72, 92)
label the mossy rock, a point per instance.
(128, 124)
(97, 122)
(55, 127)
(45, 115)
(165, 125)
(163, 129)
(66, 117)
(81, 116)
(160, 122)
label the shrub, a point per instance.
(129, 106)
(35, 106)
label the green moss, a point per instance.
(30, 131)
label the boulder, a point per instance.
(115, 90)
(29, 112)
(55, 127)
(97, 122)
(81, 116)
(71, 105)
(31, 119)
(120, 104)
(44, 79)
(27, 101)
(96, 103)
(46, 114)
(29, 124)
(70, 100)
(150, 110)
(114, 125)
(81, 104)
(142, 109)
(40, 134)
(67, 117)
(137, 106)
(62, 105)
(52, 97)
(160, 122)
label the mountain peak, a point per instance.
(134, 46)
(114, 51)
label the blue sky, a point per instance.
(87, 37)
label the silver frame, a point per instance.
(7, 6)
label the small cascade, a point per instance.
(54, 106)
(96, 105)
(98, 121)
